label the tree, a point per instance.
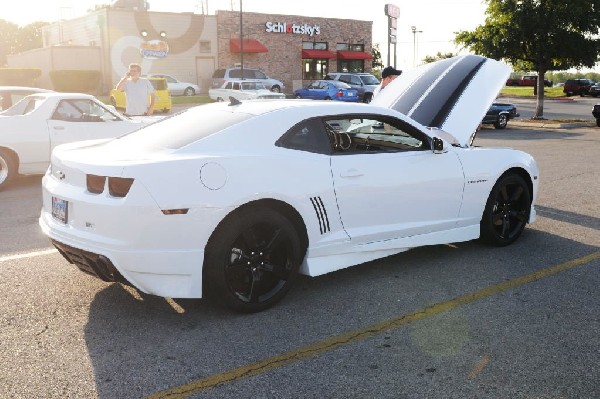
(538, 35)
(14, 39)
(439, 56)
(376, 54)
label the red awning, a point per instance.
(354, 55)
(317, 54)
(250, 46)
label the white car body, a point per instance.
(192, 182)
(10, 95)
(177, 87)
(30, 129)
(243, 90)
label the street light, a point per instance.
(415, 31)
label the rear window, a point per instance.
(159, 84)
(219, 74)
(182, 129)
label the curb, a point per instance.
(550, 124)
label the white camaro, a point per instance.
(31, 128)
(234, 200)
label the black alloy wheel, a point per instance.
(253, 259)
(506, 212)
(501, 122)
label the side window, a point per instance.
(373, 134)
(307, 136)
(236, 86)
(235, 73)
(356, 80)
(344, 78)
(260, 75)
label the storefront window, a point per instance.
(314, 68)
(314, 45)
(351, 66)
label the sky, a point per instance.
(435, 20)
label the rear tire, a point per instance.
(506, 211)
(189, 92)
(252, 259)
(8, 168)
(276, 89)
(598, 122)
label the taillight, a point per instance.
(119, 186)
(340, 93)
(95, 184)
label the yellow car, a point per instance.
(162, 102)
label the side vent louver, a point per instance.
(321, 213)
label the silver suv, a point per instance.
(365, 83)
(226, 74)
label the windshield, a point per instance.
(369, 79)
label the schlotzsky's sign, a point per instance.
(284, 27)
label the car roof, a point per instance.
(24, 88)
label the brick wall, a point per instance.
(283, 61)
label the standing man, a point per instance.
(387, 75)
(137, 90)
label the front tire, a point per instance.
(276, 89)
(501, 122)
(506, 211)
(8, 168)
(189, 92)
(252, 259)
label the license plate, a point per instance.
(351, 94)
(60, 209)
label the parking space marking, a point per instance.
(27, 255)
(329, 344)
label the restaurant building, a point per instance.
(190, 47)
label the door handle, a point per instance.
(351, 173)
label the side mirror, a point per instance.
(438, 145)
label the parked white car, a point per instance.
(235, 199)
(243, 90)
(31, 128)
(177, 87)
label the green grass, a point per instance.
(191, 99)
(516, 91)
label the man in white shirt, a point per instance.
(137, 91)
(387, 75)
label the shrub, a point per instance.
(19, 76)
(76, 81)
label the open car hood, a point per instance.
(452, 94)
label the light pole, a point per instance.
(415, 31)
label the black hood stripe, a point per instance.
(439, 102)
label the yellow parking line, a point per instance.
(361, 334)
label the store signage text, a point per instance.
(154, 49)
(284, 27)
